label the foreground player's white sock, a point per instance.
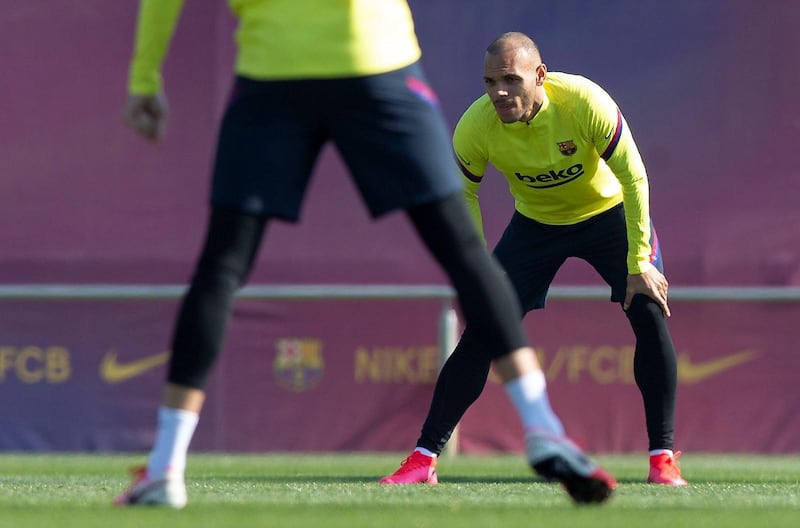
(528, 393)
(175, 430)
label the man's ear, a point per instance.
(541, 74)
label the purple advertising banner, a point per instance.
(358, 375)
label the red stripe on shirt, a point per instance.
(467, 174)
(615, 140)
(654, 249)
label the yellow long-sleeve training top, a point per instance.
(288, 39)
(575, 159)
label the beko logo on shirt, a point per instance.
(551, 178)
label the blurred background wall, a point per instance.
(709, 88)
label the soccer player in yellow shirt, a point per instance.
(580, 190)
(345, 71)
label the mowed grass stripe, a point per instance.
(301, 490)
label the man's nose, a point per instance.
(501, 90)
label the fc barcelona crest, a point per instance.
(567, 148)
(299, 364)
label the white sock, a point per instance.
(425, 452)
(528, 393)
(662, 452)
(175, 430)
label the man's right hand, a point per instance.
(147, 115)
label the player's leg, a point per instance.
(655, 372)
(530, 262)
(531, 254)
(264, 157)
(604, 246)
(464, 374)
(490, 308)
(231, 242)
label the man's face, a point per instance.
(511, 77)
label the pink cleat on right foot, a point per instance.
(416, 469)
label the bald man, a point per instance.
(580, 190)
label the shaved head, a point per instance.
(515, 40)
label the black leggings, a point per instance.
(655, 369)
(232, 241)
(464, 375)
(486, 298)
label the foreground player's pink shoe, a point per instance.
(559, 459)
(664, 470)
(416, 469)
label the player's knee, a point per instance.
(220, 274)
(472, 348)
(644, 312)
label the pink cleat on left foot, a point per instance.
(664, 470)
(416, 469)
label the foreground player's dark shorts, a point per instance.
(388, 128)
(532, 253)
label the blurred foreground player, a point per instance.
(308, 73)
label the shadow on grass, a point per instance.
(443, 480)
(362, 479)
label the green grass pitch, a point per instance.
(341, 490)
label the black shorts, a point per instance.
(388, 128)
(531, 253)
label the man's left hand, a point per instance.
(651, 283)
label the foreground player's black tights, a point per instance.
(464, 375)
(232, 240)
(486, 298)
(488, 302)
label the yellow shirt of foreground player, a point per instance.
(575, 159)
(289, 39)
